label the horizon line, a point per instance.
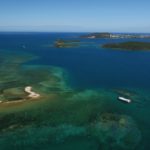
(22, 31)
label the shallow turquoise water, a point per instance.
(81, 110)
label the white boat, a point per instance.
(124, 99)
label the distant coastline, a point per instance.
(115, 35)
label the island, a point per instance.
(96, 35)
(114, 35)
(60, 43)
(130, 45)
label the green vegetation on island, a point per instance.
(66, 43)
(129, 45)
(96, 35)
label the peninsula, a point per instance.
(129, 45)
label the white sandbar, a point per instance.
(32, 94)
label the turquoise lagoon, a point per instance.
(78, 106)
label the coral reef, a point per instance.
(17, 76)
(116, 131)
(61, 113)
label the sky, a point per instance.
(75, 15)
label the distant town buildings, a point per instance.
(114, 35)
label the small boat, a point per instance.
(124, 99)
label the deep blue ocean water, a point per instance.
(90, 66)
